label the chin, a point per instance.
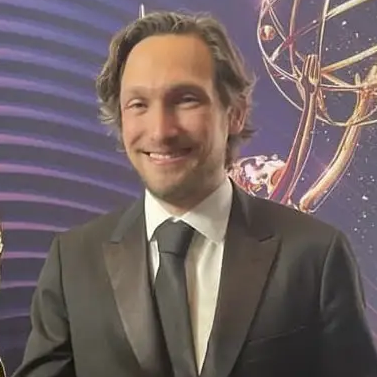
(166, 193)
(173, 191)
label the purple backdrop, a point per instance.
(59, 166)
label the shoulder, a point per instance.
(305, 241)
(97, 230)
(285, 217)
(289, 223)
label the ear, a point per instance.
(237, 117)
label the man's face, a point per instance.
(174, 127)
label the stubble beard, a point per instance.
(197, 182)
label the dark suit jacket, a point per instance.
(290, 301)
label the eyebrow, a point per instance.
(139, 90)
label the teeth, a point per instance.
(159, 156)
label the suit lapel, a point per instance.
(249, 252)
(127, 265)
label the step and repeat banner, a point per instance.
(316, 97)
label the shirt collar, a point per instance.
(210, 217)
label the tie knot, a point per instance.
(174, 237)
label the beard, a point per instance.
(189, 184)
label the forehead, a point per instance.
(165, 60)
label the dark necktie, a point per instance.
(171, 293)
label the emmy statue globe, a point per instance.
(331, 81)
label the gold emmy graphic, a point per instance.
(332, 83)
(2, 367)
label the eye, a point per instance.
(187, 101)
(136, 105)
(189, 98)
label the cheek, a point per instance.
(129, 132)
(201, 125)
(219, 131)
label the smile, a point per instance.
(170, 157)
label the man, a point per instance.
(263, 291)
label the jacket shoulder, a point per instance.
(290, 221)
(98, 229)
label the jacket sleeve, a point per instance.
(48, 351)
(347, 348)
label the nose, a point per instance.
(163, 123)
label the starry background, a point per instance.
(59, 167)
(351, 206)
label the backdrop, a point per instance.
(59, 166)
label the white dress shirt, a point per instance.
(204, 257)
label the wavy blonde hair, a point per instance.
(233, 84)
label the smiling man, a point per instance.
(177, 127)
(197, 278)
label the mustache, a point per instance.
(174, 142)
